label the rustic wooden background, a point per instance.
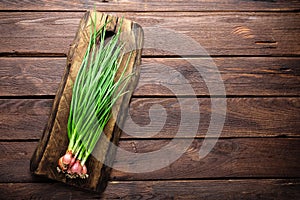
(256, 46)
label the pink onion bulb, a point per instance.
(66, 159)
(76, 168)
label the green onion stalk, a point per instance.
(95, 91)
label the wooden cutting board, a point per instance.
(54, 141)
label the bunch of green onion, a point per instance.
(94, 93)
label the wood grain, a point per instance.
(266, 157)
(230, 158)
(227, 33)
(185, 189)
(151, 5)
(246, 117)
(30, 76)
(240, 75)
(23, 119)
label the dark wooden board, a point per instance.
(245, 157)
(30, 76)
(230, 158)
(54, 141)
(184, 189)
(241, 75)
(152, 5)
(23, 119)
(226, 33)
(246, 117)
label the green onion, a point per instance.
(95, 91)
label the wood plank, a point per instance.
(248, 157)
(30, 76)
(241, 75)
(23, 119)
(230, 158)
(185, 189)
(152, 5)
(230, 33)
(17, 155)
(246, 117)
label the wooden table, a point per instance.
(256, 47)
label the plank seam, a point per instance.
(46, 181)
(296, 10)
(51, 97)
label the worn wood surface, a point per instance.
(241, 75)
(255, 46)
(152, 5)
(54, 141)
(230, 158)
(261, 33)
(268, 117)
(189, 189)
